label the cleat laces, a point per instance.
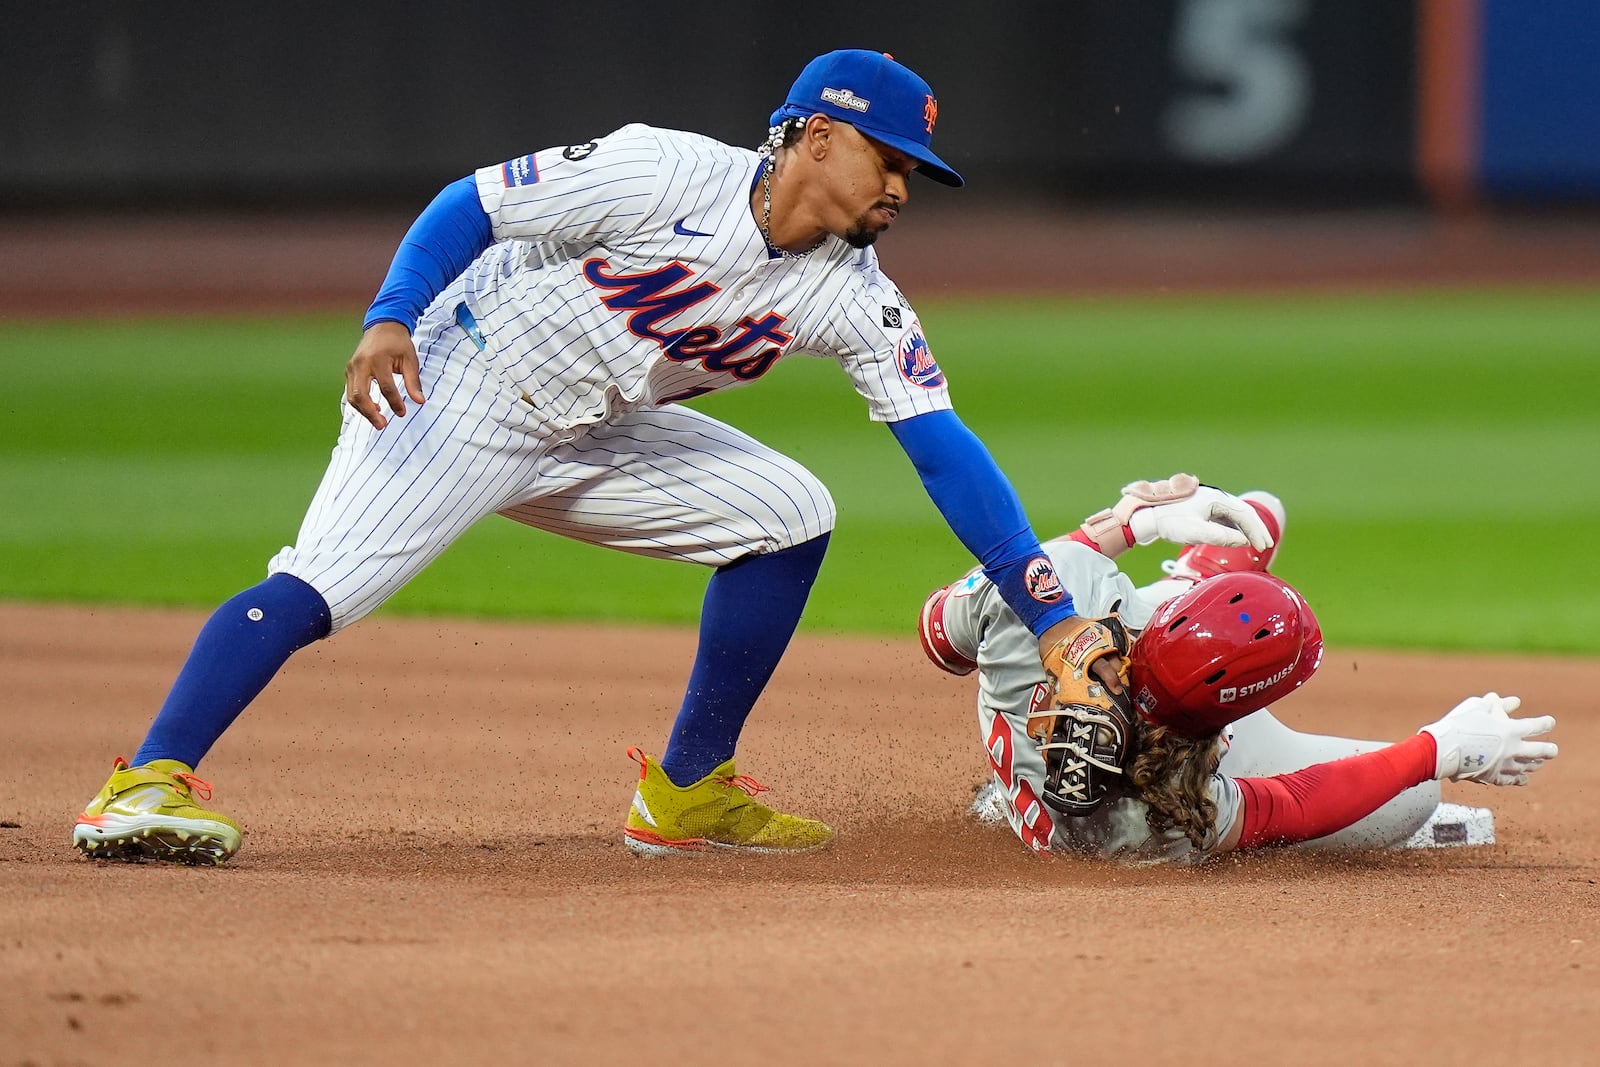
(196, 785)
(192, 783)
(743, 781)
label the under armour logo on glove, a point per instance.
(1479, 741)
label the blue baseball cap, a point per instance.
(876, 95)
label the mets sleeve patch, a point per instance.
(915, 359)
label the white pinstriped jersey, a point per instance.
(1010, 679)
(629, 272)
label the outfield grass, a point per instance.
(1436, 454)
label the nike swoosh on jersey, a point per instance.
(683, 231)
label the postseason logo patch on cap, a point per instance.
(845, 98)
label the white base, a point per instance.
(1453, 826)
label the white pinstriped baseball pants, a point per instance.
(668, 482)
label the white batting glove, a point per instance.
(1208, 516)
(1479, 741)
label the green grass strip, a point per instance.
(1435, 452)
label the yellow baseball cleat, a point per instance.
(148, 812)
(717, 812)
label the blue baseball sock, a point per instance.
(239, 649)
(750, 612)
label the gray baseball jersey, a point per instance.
(627, 275)
(1011, 682)
(980, 627)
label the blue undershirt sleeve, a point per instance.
(984, 513)
(450, 233)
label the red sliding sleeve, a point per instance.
(1287, 808)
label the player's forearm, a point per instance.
(984, 513)
(449, 234)
(1289, 808)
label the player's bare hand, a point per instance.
(385, 351)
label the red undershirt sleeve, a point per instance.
(1084, 539)
(1288, 808)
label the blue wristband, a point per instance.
(1030, 587)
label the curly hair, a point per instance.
(1170, 775)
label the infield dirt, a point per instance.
(434, 872)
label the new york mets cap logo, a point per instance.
(1041, 581)
(917, 364)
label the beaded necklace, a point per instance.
(766, 216)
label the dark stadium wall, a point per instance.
(1251, 101)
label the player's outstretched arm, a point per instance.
(982, 508)
(1476, 741)
(386, 349)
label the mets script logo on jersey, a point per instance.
(1041, 580)
(916, 361)
(652, 298)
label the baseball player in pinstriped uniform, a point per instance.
(1193, 765)
(525, 357)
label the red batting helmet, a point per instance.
(1230, 646)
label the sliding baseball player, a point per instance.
(1184, 762)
